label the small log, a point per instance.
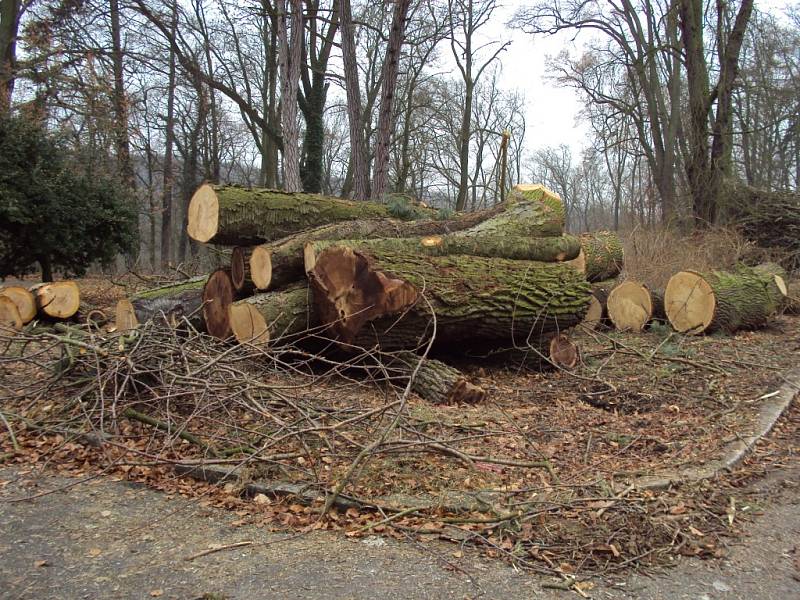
(631, 306)
(474, 298)
(435, 382)
(578, 263)
(541, 354)
(218, 294)
(170, 302)
(58, 299)
(267, 317)
(705, 302)
(251, 268)
(562, 352)
(23, 299)
(9, 315)
(604, 255)
(238, 216)
(597, 315)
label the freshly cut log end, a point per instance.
(23, 299)
(203, 219)
(261, 267)
(536, 192)
(631, 306)
(705, 302)
(125, 316)
(595, 314)
(247, 324)
(604, 255)
(58, 300)
(218, 295)
(563, 353)
(10, 318)
(578, 263)
(251, 268)
(353, 292)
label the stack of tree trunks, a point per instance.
(388, 277)
(19, 305)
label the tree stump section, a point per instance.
(23, 300)
(706, 302)
(218, 294)
(631, 306)
(10, 319)
(58, 299)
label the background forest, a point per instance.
(375, 99)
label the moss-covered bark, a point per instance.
(474, 299)
(285, 312)
(604, 255)
(435, 381)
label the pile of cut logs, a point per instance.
(20, 305)
(388, 277)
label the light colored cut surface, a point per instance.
(59, 299)
(780, 282)
(9, 315)
(125, 316)
(203, 218)
(23, 298)
(630, 306)
(578, 263)
(594, 315)
(248, 325)
(261, 267)
(689, 302)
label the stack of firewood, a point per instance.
(387, 276)
(49, 301)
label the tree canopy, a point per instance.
(54, 213)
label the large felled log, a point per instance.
(240, 216)
(58, 299)
(603, 255)
(251, 268)
(265, 317)
(172, 303)
(218, 294)
(23, 299)
(631, 306)
(474, 298)
(706, 302)
(532, 219)
(435, 381)
(10, 318)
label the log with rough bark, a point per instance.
(705, 302)
(388, 299)
(533, 219)
(597, 315)
(603, 254)
(172, 303)
(10, 318)
(240, 216)
(535, 192)
(251, 268)
(218, 294)
(435, 381)
(776, 275)
(58, 299)
(23, 299)
(631, 306)
(266, 317)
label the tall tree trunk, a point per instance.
(9, 23)
(169, 134)
(314, 139)
(269, 152)
(289, 58)
(358, 153)
(391, 67)
(120, 103)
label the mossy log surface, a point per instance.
(233, 215)
(473, 298)
(171, 302)
(603, 254)
(435, 381)
(268, 317)
(720, 301)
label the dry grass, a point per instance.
(652, 256)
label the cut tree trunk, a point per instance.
(777, 277)
(541, 354)
(9, 315)
(541, 194)
(470, 243)
(172, 303)
(287, 255)
(604, 255)
(266, 318)
(218, 294)
(435, 382)
(251, 268)
(597, 315)
(705, 302)
(23, 299)
(631, 306)
(578, 263)
(474, 299)
(238, 216)
(57, 300)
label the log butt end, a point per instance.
(689, 302)
(630, 306)
(59, 299)
(125, 316)
(248, 325)
(218, 295)
(203, 217)
(10, 318)
(563, 353)
(23, 299)
(594, 315)
(261, 267)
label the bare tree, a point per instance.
(289, 56)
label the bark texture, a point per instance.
(171, 302)
(274, 315)
(435, 382)
(603, 254)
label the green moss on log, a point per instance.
(604, 255)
